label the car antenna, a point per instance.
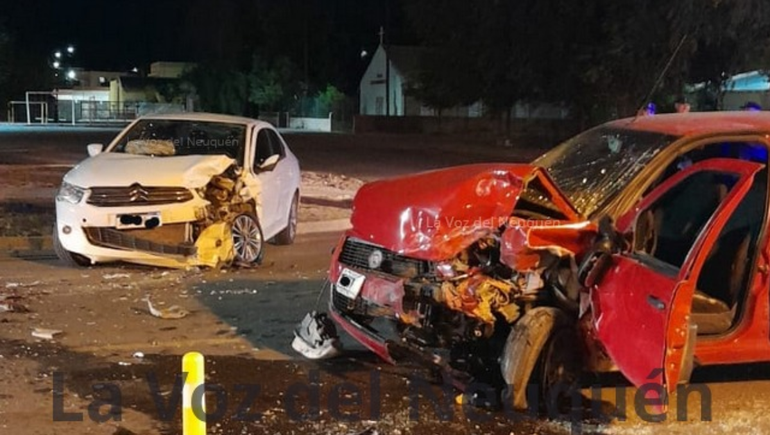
(660, 77)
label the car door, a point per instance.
(269, 178)
(284, 173)
(641, 306)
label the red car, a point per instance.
(639, 246)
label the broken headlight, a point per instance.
(70, 193)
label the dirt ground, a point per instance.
(240, 319)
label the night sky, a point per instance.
(121, 34)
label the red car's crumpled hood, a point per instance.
(434, 215)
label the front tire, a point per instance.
(248, 242)
(70, 259)
(287, 236)
(541, 348)
(558, 370)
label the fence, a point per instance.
(84, 112)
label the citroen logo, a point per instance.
(137, 193)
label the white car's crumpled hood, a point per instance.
(119, 169)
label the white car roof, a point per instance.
(211, 117)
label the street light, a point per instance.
(56, 64)
(57, 55)
(70, 49)
(71, 74)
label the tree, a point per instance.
(733, 37)
(329, 99)
(448, 75)
(273, 84)
(5, 56)
(219, 89)
(602, 58)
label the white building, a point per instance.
(383, 90)
(753, 86)
(383, 87)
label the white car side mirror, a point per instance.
(94, 149)
(270, 162)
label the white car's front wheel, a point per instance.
(69, 258)
(248, 242)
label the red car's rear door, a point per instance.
(641, 306)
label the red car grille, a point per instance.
(356, 253)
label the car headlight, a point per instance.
(70, 193)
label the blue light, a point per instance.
(756, 153)
(651, 109)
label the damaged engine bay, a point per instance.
(453, 301)
(228, 198)
(462, 310)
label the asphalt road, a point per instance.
(242, 320)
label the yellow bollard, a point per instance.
(193, 365)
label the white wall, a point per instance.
(397, 88)
(735, 100)
(90, 95)
(313, 124)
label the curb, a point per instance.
(36, 243)
(332, 226)
(13, 245)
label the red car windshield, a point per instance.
(593, 167)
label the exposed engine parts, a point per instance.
(225, 193)
(468, 297)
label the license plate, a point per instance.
(349, 283)
(137, 220)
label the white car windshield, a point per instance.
(163, 137)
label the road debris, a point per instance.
(13, 285)
(10, 304)
(13, 307)
(171, 313)
(316, 337)
(116, 275)
(45, 333)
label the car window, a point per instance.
(164, 137)
(669, 227)
(264, 148)
(725, 273)
(754, 152)
(276, 143)
(594, 166)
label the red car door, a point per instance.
(641, 306)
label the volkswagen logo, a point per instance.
(375, 259)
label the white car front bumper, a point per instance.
(74, 223)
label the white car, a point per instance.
(182, 190)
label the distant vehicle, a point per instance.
(180, 190)
(640, 245)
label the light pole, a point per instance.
(62, 60)
(64, 74)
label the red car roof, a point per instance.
(699, 123)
